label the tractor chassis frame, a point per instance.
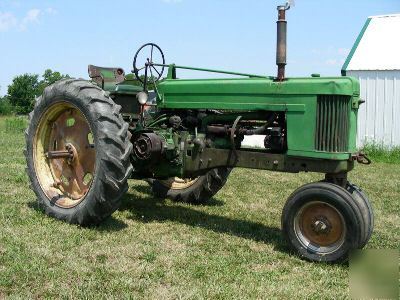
(209, 158)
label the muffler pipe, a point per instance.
(281, 33)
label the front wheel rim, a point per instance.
(320, 227)
(64, 154)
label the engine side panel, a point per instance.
(310, 105)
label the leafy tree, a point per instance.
(5, 106)
(24, 89)
(50, 77)
(22, 92)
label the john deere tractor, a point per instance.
(87, 138)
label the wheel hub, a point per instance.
(320, 226)
(69, 153)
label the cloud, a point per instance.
(341, 54)
(32, 16)
(331, 56)
(7, 21)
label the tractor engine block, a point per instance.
(178, 139)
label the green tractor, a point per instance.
(87, 138)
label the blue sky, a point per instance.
(235, 35)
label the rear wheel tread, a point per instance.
(114, 149)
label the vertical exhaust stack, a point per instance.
(281, 26)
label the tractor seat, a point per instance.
(106, 76)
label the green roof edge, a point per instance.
(350, 56)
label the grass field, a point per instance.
(229, 249)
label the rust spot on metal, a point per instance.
(69, 156)
(78, 158)
(321, 224)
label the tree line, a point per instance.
(24, 89)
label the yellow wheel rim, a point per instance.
(176, 183)
(64, 154)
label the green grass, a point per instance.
(380, 153)
(229, 249)
(15, 124)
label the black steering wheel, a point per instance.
(153, 67)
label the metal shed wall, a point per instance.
(379, 116)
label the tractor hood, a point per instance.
(251, 93)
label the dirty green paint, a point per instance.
(253, 97)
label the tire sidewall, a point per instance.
(326, 195)
(366, 211)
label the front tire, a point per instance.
(367, 213)
(322, 222)
(77, 152)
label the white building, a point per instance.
(375, 61)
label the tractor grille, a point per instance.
(332, 134)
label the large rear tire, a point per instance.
(195, 190)
(77, 152)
